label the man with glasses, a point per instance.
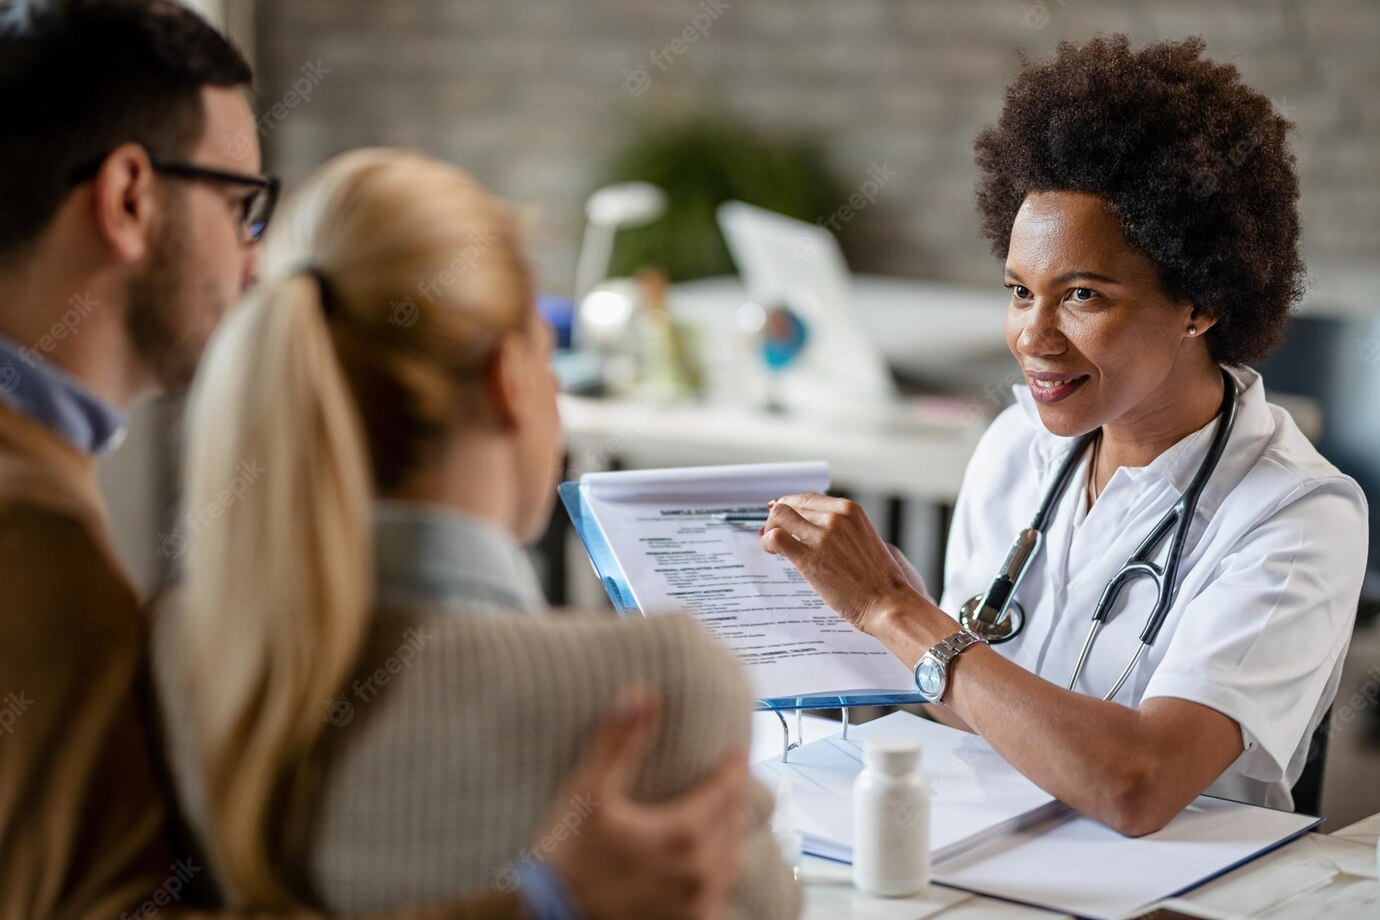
(131, 200)
(259, 198)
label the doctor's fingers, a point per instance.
(814, 504)
(824, 510)
(787, 522)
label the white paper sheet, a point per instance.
(973, 792)
(661, 526)
(1081, 867)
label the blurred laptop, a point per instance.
(791, 263)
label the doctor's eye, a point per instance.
(1019, 291)
(1083, 294)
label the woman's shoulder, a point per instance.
(674, 645)
(516, 673)
(571, 650)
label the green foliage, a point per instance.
(702, 162)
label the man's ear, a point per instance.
(504, 381)
(125, 203)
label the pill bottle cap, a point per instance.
(892, 755)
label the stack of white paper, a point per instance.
(995, 833)
(663, 528)
(1082, 867)
(974, 794)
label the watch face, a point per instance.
(929, 677)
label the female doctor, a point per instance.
(1145, 205)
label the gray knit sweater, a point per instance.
(444, 752)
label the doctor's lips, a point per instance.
(1048, 387)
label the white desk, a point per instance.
(1365, 831)
(923, 463)
(1318, 875)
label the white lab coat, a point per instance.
(1269, 582)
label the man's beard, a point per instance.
(169, 317)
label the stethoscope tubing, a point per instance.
(1176, 523)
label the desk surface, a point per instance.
(913, 461)
(1318, 875)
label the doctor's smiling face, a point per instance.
(1090, 324)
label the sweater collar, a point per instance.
(438, 555)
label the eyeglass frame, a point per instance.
(177, 169)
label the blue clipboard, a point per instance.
(615, 584)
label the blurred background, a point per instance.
(858, 120)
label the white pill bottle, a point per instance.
(891, 820)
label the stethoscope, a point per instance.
(997, 617)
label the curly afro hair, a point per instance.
(1194, 163)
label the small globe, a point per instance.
(784, 336)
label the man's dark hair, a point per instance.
(1195, 164)
(78, 78)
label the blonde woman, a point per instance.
(365, 705)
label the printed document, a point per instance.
(664, 527)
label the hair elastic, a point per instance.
(329, 303)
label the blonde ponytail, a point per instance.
(277, 589)
(303, 411)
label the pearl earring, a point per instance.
(1192, 330)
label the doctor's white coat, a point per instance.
(1268, 590)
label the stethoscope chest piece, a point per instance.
(1003, 630)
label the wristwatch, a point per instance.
(932, 670)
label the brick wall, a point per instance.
(534, 96)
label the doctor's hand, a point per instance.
(624, 858)
(831, 542)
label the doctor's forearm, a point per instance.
(1104, 760)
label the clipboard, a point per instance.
(620, 593)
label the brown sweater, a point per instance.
(85, 818)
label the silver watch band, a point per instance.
(947, 650)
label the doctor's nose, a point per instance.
(1039, 333)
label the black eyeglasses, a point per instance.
(256, 210)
